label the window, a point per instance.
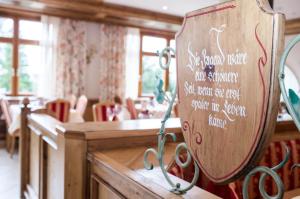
(149, 63)
(290, 80)
(19, 55)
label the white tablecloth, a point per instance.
(155, 112)
(15, 112)
(284, 117)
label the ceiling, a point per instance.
(180, 7)
(173, 7)
(289, 7)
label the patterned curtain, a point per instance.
(112, 61)
(71, 58)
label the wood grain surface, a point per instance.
(227, 61)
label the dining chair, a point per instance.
(81, 105)
(60, 109)
(175, 109)
(100, 111)
(10, 137)
(72, 99)
(131, 108)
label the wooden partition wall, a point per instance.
(92, 160)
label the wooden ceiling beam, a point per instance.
(97, 10)
(31, 13)
(292, 27)
(93, 8)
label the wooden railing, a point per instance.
(64, 160)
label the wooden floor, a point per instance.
(9, 176)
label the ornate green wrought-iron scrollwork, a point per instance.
(267, 171)
(293, 108)
(161, 97)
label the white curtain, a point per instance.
(132, 62)
(49, 49)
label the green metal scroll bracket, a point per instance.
(267, 171)
(161, 97)
(292, 101)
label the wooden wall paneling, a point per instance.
(24, 151)
(110, 143)
(132, 184)
(103, 191)
(62, 158)
(75, 168)
(112, 173)
(34, 172)
(94, 188)
(55, 185)
(133, 157)
(43, 165)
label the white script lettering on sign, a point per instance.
(227, 57)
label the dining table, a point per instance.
(156, 111)
(15, 112)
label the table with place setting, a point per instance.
(155, 111)
(15, 112)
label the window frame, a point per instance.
(168, 36)
(16, 42)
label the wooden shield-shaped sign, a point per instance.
(227, 66)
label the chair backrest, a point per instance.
(131, 108)
(60, 109)
(81, 104)
(5, 112)
(175, 109)
(100, 111)
(72, 99)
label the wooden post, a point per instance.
(24, 148)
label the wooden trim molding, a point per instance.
(293, 26)
(99, 11)
(93, 11)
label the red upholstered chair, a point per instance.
(131, 108)
(81, 104)
(273, 156)
(10, 138)
(100, 111)
(60, 109)
(187, 174)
